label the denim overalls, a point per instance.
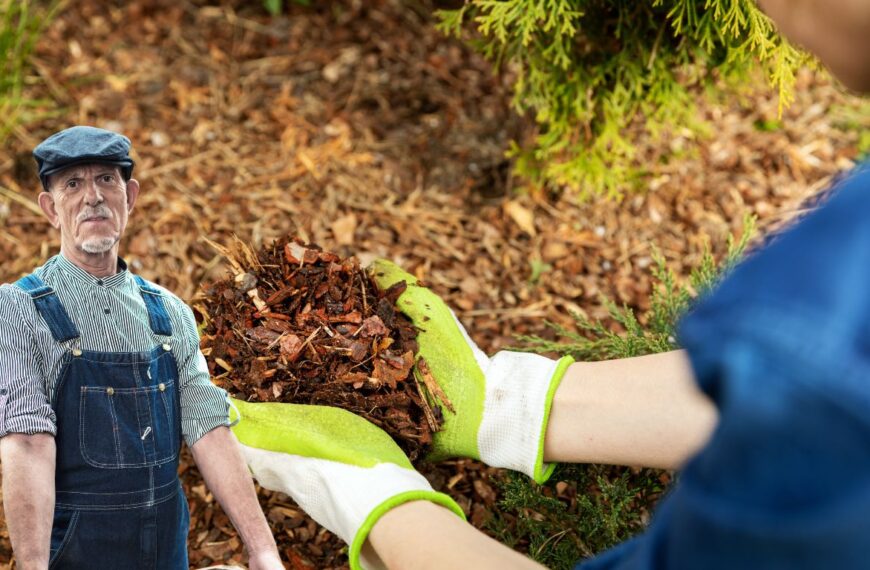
(119, 502)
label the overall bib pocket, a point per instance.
(129, 427)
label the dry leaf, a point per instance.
(343, 229)
(522, 216)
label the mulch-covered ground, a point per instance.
(356, 126)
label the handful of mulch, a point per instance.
(301, 325)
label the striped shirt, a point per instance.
(111, 317)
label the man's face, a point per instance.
(90, 204)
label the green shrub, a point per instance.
(21, 22)
(590, 69)
(855, 117)
(612, 503)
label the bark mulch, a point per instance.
(356, 126)
(299, 324)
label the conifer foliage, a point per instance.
(588, 69)
(585, 509)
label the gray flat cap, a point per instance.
(82, 145)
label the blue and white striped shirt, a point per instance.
(111, 317)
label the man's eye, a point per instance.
(108, 178)
(72, 184)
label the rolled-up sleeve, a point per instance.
(204, 406)
(24, 403)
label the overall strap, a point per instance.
(48, 305)
(157, 315)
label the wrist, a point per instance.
(390, 534)
(265, 560)
(262, 547)
(358, 553)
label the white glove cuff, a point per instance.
(519, 391)
(346, 499)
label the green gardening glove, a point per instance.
(500, 405)
(342, 470)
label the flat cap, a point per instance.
(82, 145)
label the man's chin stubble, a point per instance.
(98, 245)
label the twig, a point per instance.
(422, 367)
(18, 198)
(427, 408)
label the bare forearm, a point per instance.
(421, 536)
(643, 411)
(28, 495)
(223, 468)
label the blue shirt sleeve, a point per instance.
(783, 349)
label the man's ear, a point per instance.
(132, 193)
(46, 202)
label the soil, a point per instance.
(357, 126)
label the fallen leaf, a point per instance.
(484, 491)
(343, 229)
(522, 216)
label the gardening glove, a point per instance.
(500, 405)
(342, 470)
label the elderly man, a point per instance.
(100, 378)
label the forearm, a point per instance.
(223, 468)
(421, 535)
(644, 411)
(28, 495)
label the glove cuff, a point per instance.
(519, 393)
(382, 509)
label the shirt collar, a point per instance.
(80, 274)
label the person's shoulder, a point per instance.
(15, 291)
(11, 293)
(15, 301)
(174, 302)
(15, 304)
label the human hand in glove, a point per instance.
(500, 405)
(345, 472)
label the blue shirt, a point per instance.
(783, 349)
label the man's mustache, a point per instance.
(98, 212)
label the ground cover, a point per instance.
(358, 127)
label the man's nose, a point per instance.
(93, 194)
